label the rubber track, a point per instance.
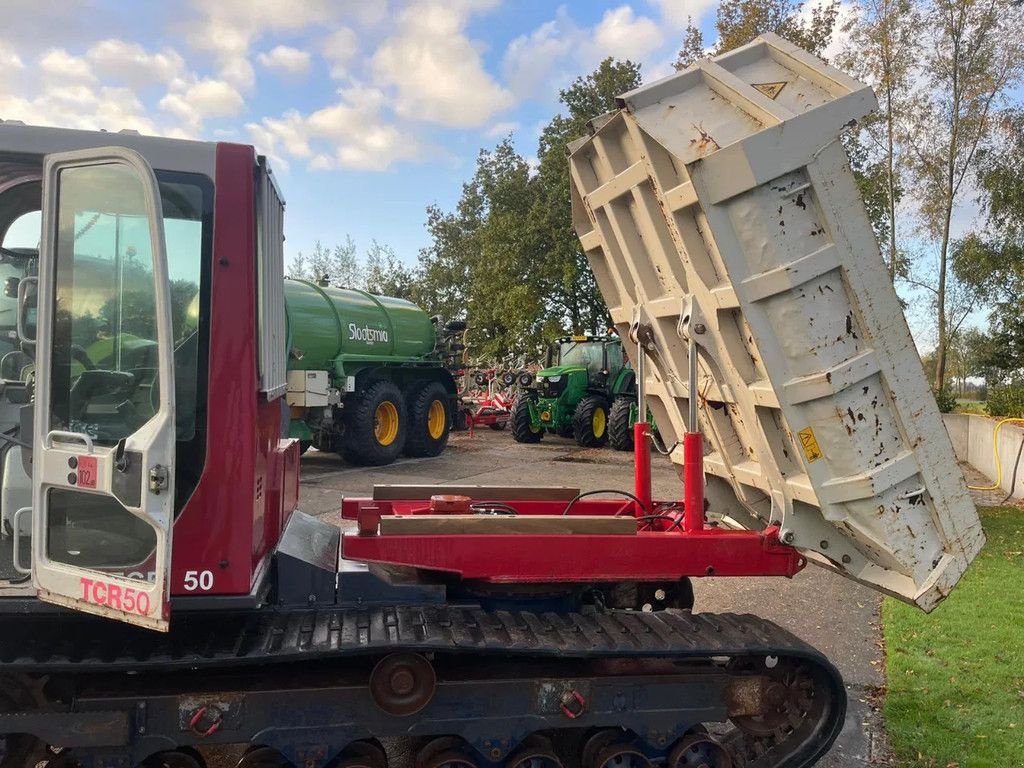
(59, 643)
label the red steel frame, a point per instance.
(672, 539)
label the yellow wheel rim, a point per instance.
(534, 429)
(385, 423)
(598, 422)
(436, 419)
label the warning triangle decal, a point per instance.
(771, 90)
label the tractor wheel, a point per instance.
(590, 422)
(523, 430)
(375, 426)
(620, 426)
(429, 420)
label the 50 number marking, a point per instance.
(198, 580)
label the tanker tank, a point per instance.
(332, 326)
(367, 375)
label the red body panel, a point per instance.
(660, 551)
(236, 513)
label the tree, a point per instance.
(692, 48)
(975, 56)
(339, 266)
(883, 49)
(992, 260)
(737, 22)
(484, 263)
(386, 275)
(576, 301)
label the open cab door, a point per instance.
(104, 434)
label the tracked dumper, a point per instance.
(162, 594)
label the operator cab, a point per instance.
(600, 355)
(122, 388)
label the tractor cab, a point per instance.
(597, 356)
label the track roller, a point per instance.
(262, 757)
(698, 750)
(446, 752)
(183, 757)
(403, 683)
(613, 748)
(536, 751)
(362, 754)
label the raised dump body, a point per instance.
(718, 204)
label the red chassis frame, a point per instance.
(672, 539)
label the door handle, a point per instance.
(16, 557)
(68, 437)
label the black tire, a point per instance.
(589, 429)
(304, 445)
(361, 444)
(522, 427)
(620, 430)
(499, 426)
(568, 432)
(424, 400)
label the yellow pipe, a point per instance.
(995, 452)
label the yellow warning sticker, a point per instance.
(810, 444)
(771, 90)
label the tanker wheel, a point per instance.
(620, 427)
(498, 426)
(523, 428)
(429, 419)
(590, 422)
(375, 426)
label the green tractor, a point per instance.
(576, 394)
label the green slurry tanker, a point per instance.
(367, 375)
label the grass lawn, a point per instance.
(971, 406)
(956, 678)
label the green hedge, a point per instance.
(1006, 401)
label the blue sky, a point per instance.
(370, 111)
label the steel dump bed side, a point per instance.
(719, 204)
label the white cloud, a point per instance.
(228, 28)
(502, 129)
(530, 60)
(201, 100)
(284, 58)
(624, 35)
(79, 106)
(537, 64)
(675, 14)
(339, 48)
(9, 59)
(130, 63)
(437, 72)
(61, 66)
(351, 133)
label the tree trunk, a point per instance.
(891, 172)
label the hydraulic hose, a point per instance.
(995, 452)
